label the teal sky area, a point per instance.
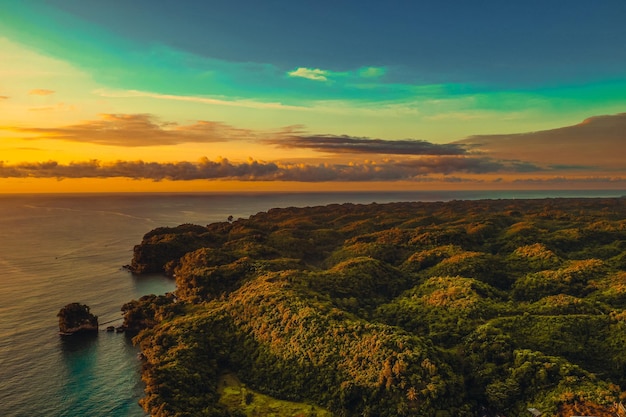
(534, 56)
(434, 71)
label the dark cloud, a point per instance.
(133, 130)
(568, 167)
(390, 170)
(448, 165)
(348, 144)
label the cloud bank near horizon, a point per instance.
(446, 167)
(590, 151)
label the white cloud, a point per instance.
(315, 74)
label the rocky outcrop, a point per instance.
(76, 318)
(162, 247)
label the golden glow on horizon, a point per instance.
(122, 185)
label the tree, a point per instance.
(76, 317)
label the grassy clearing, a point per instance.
(237, 397)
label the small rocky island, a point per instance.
(76, 318)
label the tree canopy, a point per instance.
(75, 318)
(459, 308)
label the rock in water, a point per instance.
(76, 318)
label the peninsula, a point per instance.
(460, 308)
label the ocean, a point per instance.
(56, 249)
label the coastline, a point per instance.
(252, 288)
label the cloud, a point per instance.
(372, 72)
(509, 156)
(4, 97)
(251, 104)
(315, 74)
(176, 171)
(347, 144)
(252, 170)
(448, 165)
(57, 107)
(40, 92)
(597, 142)
(132, 130)
(572, 180)
(463, 116)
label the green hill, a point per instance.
(463, 308)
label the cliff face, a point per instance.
(76, 318)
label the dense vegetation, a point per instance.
(462, 308)
(76, 318)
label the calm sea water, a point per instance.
(57, 249)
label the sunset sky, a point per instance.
(156, 95)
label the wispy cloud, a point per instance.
(372, 72)
(4, 97)
(132, 130)
(57, 107)
(250, 104)
(458, 116)
(40, 92)
(347, 144)
(314, 74)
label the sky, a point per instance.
(234, 95)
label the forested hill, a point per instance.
(461, 308)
